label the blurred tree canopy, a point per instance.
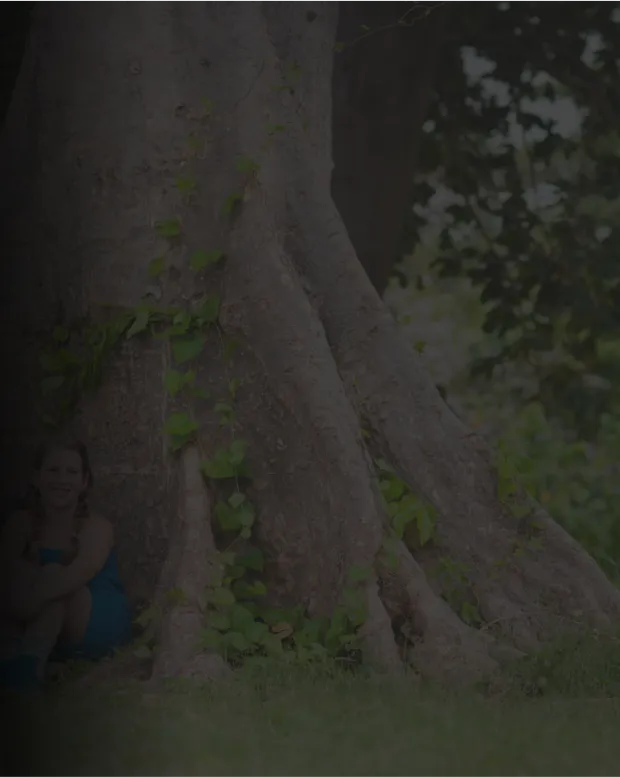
(521, 154)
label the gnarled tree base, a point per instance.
(319, 355)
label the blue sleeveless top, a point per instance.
(107, 579)
(110, 622)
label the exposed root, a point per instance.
(442, 647)
(379, 646)
(189, 570)
(602, 597)
(529, 597)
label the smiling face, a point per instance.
(61, 479)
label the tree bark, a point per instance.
(119, 92)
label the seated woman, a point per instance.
(60, 592)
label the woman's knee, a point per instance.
(77, 614)
(79, 598)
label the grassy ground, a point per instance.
(306, 723)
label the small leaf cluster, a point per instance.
(238, 623)
(412, 519)
(453, 577)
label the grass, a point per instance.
(303, 722)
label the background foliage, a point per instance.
(515, 223)
(522, 157)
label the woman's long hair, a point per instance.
(34, 504)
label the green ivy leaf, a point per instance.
(358, 574)
(391, 548)
(58, 361)
(426, 523)
(175, 381)
(227, 557)
(207, 105)
(311, 632)
(200, 393)
(219, 467)
(232, 518)
(223, 597)
(180, 425)
(255, 632)
(392, 488)
(238, 449)
(252, 559)
(188, 348)
(246, 514)
(60, 335)
(272, 645)
(237, 640)
(234, 572)
(219, 621)
(406, 513)
(257, 588)
(231, 203)
(209, 310)
(169, 228)
(140, 323)
(236, 499)
(147, 616)
(240, 616)
(226, 463)
(199, 260)
(181, 324)
(246, 165)
(233, 387)
(227, 516)
(142, 652)
(176, 596)
(156, 267)
(230, 348)
(51, 384)
(186, 185)
(225, 413)
(383, 466)
(210, 639)
(470, 614)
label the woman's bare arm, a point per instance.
(95, 543)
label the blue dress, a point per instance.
(109, 625)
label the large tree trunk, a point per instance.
(114, 92)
